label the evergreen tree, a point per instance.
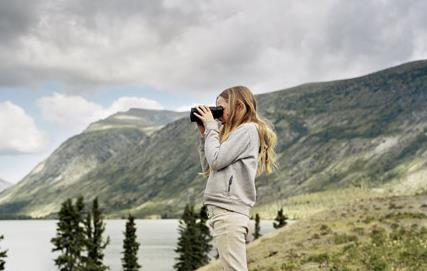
(69, 238)
(94, 243)
(130, 247)
(205, 236)
(184, 246)
(88, 243)
(189, 247)
(79, 231)
(3, 255)
(281, 219)
(257, 233)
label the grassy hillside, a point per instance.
(387, 233)
(307, 204)
(370, 129)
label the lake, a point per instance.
(29, 247)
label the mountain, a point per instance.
(44, 187)
(145, 120)
(4, 184)
(369, 131)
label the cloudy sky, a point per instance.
(64, 64)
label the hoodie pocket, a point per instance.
(218, 183)
(230, 181)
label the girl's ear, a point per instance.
(239, 106)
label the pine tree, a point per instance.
(205, 236)
(88, 234)
(94, 243)
(257, 233)
(184, 246)
(130, 247)
(281, 219)
(79, 231)
(69, 238)
(189, 247)
(3, 255)
(63, 240)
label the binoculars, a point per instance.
(217, 112)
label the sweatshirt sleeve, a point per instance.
(221, 155)
(203, 162)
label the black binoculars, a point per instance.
(217, 112)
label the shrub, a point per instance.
(344, 238)
(324, 229)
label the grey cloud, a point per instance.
(371, 34)
(166, 21)
(206, 45)
(16, 19)
(371, 28)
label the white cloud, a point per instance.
(75, 113)
(19, 133)
(72, 113)
(125, 103)
(184, 108)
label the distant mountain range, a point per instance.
(367, 131)
(4, 184)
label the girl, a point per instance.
(232, 157)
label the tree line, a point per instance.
(80, 242)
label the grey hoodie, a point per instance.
(231, 185)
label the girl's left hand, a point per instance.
(205, 113)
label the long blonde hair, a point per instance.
(267, 158)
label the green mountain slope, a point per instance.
(369, 131)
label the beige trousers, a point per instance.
(229, 230)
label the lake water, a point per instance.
(29, 247)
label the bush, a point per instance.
(359, 230)
(324, 229)
(344, 238)
(405, 215)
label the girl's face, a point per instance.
(222, 102)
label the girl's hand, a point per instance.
(205, 113)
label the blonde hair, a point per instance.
(267, 158)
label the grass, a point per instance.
(384, 233)
(305, 205)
